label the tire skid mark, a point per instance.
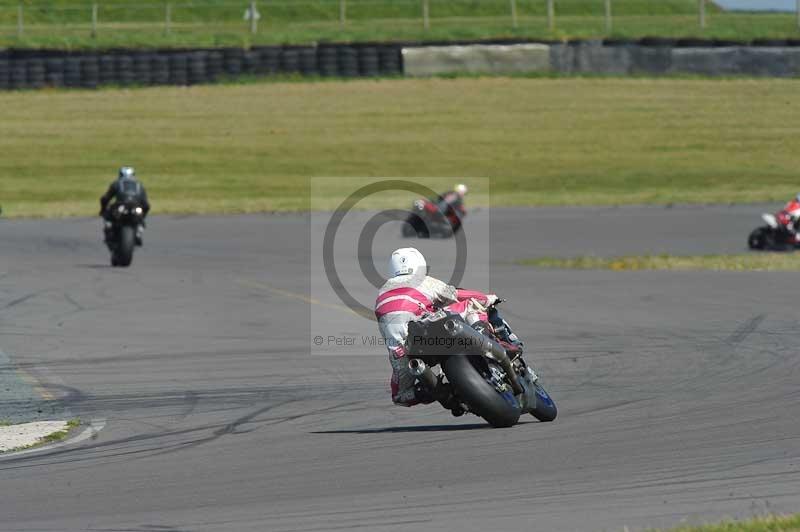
(746, 329)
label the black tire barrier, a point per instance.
(214, 63)
(692, 43)
(142, 72)
(657, 41)
(17, 75)
(178, 69)
(250, 61)
(72, 72)
(308, 62)
(90, 72)
(159, 69)
(348, 62)
(290, 61)
(124, 69)
(36, 73)
(54, 71)
(106, 72)
(369, 62)
(233, 61)
(769, 42)
(390, 60)
(269, 60)
(328, 62)
(197, 68)
(4, 72)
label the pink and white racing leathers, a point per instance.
(409, 297)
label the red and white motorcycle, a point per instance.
(781, 231)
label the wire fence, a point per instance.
(91, 19)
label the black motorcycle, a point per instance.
(775, 236)
(426, 220)
(124, 235)
(482, 377)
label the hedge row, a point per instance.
(193, 67)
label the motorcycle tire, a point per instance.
(125, 246)
(757, 239)
(480, 396)
(545, 409)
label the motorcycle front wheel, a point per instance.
(545, 409)
(124, 248)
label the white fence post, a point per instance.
(609, 22)
(342, 12)
(426, 14)
(514, 12)
(20, 21)
(94, 20)
(702, 14)
(551, 15)
(253, 17)
(167, 18)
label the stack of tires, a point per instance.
(5, 69)
(195, 67)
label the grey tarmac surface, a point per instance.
(678, 392)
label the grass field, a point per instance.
(778, 262)
(67, 23)
(789, 523)
(245, 148)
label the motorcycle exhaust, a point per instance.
(423, 373)
(476, 343)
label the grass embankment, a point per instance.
(246, 148)
(754, 262)
(67, 23)
(761, 524)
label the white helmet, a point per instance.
(461, 189)
(407, 261)
(127, 172)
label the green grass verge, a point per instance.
(122, 23)
(789, 523)
(787, 262)
(60, 435)
(250, 148)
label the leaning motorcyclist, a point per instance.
(451, 203)
(789, 217)
(410, 294)
(125, 189)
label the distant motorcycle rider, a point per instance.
(452, 202)
(789, 217)
(125, 189)
(408, 295)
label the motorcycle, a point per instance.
(426, 220)
(483, 378)
(123, 232)
(775, 236)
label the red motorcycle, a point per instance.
(430, 219)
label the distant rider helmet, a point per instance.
(127, 172)
(407, 261)
(461, 189)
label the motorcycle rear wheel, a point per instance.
(481, 397)
(757, 238)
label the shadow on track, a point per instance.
(416, 428)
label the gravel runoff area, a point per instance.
(27, 434)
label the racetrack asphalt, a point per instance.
(678, 392)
